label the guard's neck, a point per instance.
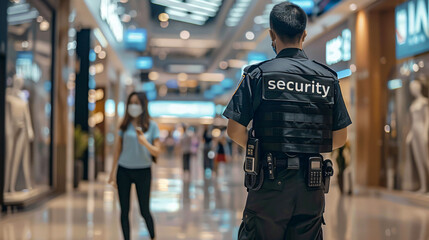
(281, 46)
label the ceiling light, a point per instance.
(123, 1)
(199, 17)
(186, 19)
(163, 17)
(164, 24)
(185, 35)
(223, 65)
(99, 68)
(153, 76)
(25, 44)
(178, 13)
(212, 77)
(259, 20)
(199, 7)
(353, 7)
(102, 55)
(97, 49)
(250, 35)
(236, 63)
(100, 37)
(44, 26)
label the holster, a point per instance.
(328, 172)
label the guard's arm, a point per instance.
(339, 138)
(237, 132)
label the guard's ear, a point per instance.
(304, 35)
(272, 35)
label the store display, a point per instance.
(28, 108)
(417, 138)
(19, 134)
(407, 128)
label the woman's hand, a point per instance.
(141, 137)
(112, 180)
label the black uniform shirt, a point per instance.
(246, 98)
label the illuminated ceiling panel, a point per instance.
(190, 11)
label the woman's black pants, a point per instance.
(142, 179)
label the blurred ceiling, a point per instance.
(196, 44)
(202, 33)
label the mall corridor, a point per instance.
(178, 106)
(208, 209)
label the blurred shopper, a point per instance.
(186, 145)
(221, 154)
(170, 143)
(138, 145)
(298, 112)
(207, 138)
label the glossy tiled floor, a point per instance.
(201, 209)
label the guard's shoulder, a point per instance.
(327, 68)
(254, 70)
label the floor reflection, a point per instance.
(202, 207)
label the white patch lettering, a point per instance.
(290, 86)
(325, 90)
(281, 85)
(271, 84)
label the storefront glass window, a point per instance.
(28, 100)
(407, 127)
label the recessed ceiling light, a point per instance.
(123, 1)
(353, 7)
(185, 35)
(97, 49)
(102, 55)
(163, 17)
(44, 26)
(250, 35)
(223, 65)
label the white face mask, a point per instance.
(135, 110)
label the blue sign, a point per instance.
(412, 28)
(136, 39)
(144, 63)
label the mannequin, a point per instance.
(417, 138)
(19, 134)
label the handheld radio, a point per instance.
(251, 163)
(315, 172)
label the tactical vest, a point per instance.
(295, 113)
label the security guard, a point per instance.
(298, 112)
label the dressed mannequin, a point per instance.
(417, 138)
(19, 134)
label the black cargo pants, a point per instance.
(284, 209)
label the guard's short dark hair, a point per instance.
(288, 21)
